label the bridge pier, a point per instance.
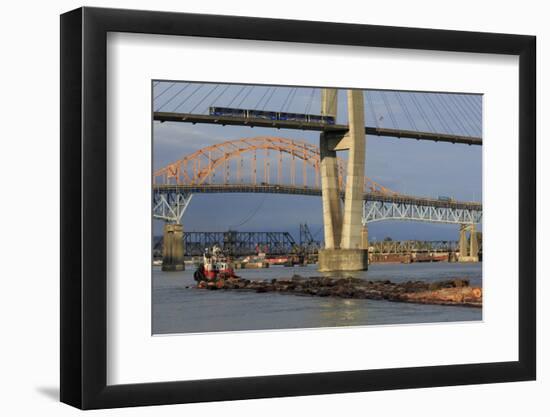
(365, 237)
(474, 249)
(468, 248)
(173, 250)
(462, 242)
(331, 260)
(344, 249)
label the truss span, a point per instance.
(374, 210)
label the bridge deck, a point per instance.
(301, 190)
(289, 124)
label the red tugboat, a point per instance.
(214, 269)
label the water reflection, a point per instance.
(336, 312)
(180, 308)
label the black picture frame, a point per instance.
(84, 207)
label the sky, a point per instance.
(420, 168)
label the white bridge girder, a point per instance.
(381, 210)
(170, 206)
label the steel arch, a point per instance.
(198, 168)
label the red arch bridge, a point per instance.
(277, 165)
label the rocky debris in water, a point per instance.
(447, 292)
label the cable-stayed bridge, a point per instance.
(440, 117)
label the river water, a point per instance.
(180, 308)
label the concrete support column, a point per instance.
(343, 234)
(365, 237)
(332, 207)
(474, 249)
(172, 253)
(355, 175)
(463, 242)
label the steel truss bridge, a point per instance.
(408, 246)
(239, 243)
(374, 210)
(267, 164)
(283, 243)
(246, 243)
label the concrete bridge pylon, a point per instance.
(463, 241)
(173, 249)
(468, 249)
(474, 248)
(332, 206)
(344, 243)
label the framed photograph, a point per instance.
(257, 208)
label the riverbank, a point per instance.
(454, 292)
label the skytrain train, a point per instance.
(270, 115)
